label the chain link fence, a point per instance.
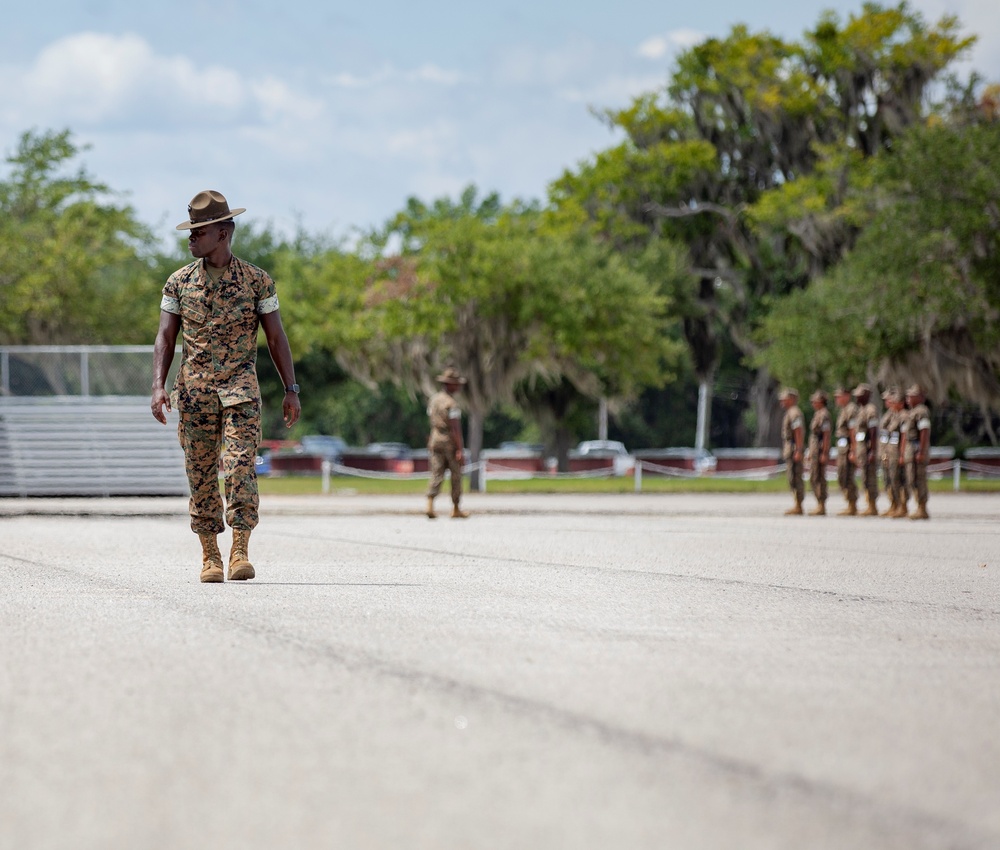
(77, 370)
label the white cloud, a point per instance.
(660, 46)
(93, 79)
(654, 48)
(338, 148)
(388, 75)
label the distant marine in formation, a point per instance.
(898, 443)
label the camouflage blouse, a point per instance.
(219, 324)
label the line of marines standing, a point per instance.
(899, 442)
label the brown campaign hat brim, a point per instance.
(191, 225)
(208, 207)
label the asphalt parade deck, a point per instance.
(626, 671)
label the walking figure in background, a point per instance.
(792, 430)
(864, 445)
(216, 304)
(444, 445)
(846, 421)
(917, 439)
(819, 450)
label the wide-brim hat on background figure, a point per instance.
(208, 207)
(450, 376)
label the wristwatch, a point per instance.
(294, 388)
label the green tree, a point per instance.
(76, 267)
(918, 299)
(754, 156)
(490, 290)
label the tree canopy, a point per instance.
(77, 264)
(755, 156)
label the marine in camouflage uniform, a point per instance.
(846, 421)
(216, 305)
(864, 444)
(916, 435)
(792, 429)
(819, 450)
(444, 443)
(893, 472)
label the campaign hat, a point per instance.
(450, 376)
(208, 207)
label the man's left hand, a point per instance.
(292, 408)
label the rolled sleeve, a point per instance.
(267, 305)
(169, 304)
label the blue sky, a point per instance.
(329, 115)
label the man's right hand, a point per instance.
(156, 404)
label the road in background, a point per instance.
(649, 671)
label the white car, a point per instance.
(623, 462)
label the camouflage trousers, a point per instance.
(203, 431)
(442, 459)
(845, 477)
(817, 479)
(916, 480)
(894, 473)
(869, 470)
(795, 481)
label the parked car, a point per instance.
(521, 446)
(622, 461)
(324, 445)
(590, 447)
(396, 450)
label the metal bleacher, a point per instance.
(87, 446)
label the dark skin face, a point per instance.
(211, 243)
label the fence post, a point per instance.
(957, 475)
(84, 373)
(638, 476)
(326, 476)
(482, 476)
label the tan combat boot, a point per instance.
(920, 512)
(891, 510)
(211, 559)
(872, 509)
(850, 510)
(430, 508)
(240, 568)
(458, 513)
(900, 512)
(795, 510)
(819, 510)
